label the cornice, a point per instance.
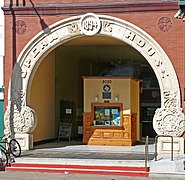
(95, 7)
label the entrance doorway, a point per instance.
(91, 56)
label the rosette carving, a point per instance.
(169, 122)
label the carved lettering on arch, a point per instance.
(141, 43)
(158, 62)
(90, 24)
(130, 35)
(27, 63)
(27, 66)
(36, 52)
(53, 38)
(24, 74)
(41, 47)
(44, 44)
(151, 51)
(164, 73)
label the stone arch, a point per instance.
(168, 119)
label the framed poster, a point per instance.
(64, 131)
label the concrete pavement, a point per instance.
(60, 176)
(102, 158)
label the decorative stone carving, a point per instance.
(90, 24)
(169, 119)
(19, 121)
(165, 24)
(73, 28)
(170, 99)
(107, 26)
(20, 27)
(169, 122)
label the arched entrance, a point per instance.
(20, 118)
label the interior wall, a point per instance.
(42, 99)
(135, 101)
(120, 87)
(68, 86)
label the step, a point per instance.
(80, 169)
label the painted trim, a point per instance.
(81, 169)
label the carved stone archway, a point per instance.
(19, 117)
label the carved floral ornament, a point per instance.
(22, 121)
(21, 118)
(169, 120)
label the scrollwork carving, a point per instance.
(19, 121)
(170, 99)
(73, 28)
(107, 26)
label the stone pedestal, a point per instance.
(164, 145)
(25, 140)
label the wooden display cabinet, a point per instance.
(106, 125)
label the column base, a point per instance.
(25, 141)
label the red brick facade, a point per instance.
(25, 20)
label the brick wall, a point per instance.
(172, 40)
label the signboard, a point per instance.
(65, 131)
(181, 2)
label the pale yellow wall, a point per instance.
(126, 89)
(121, 87)
(43, 99)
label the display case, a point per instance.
(106, 114)
(107, 125)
